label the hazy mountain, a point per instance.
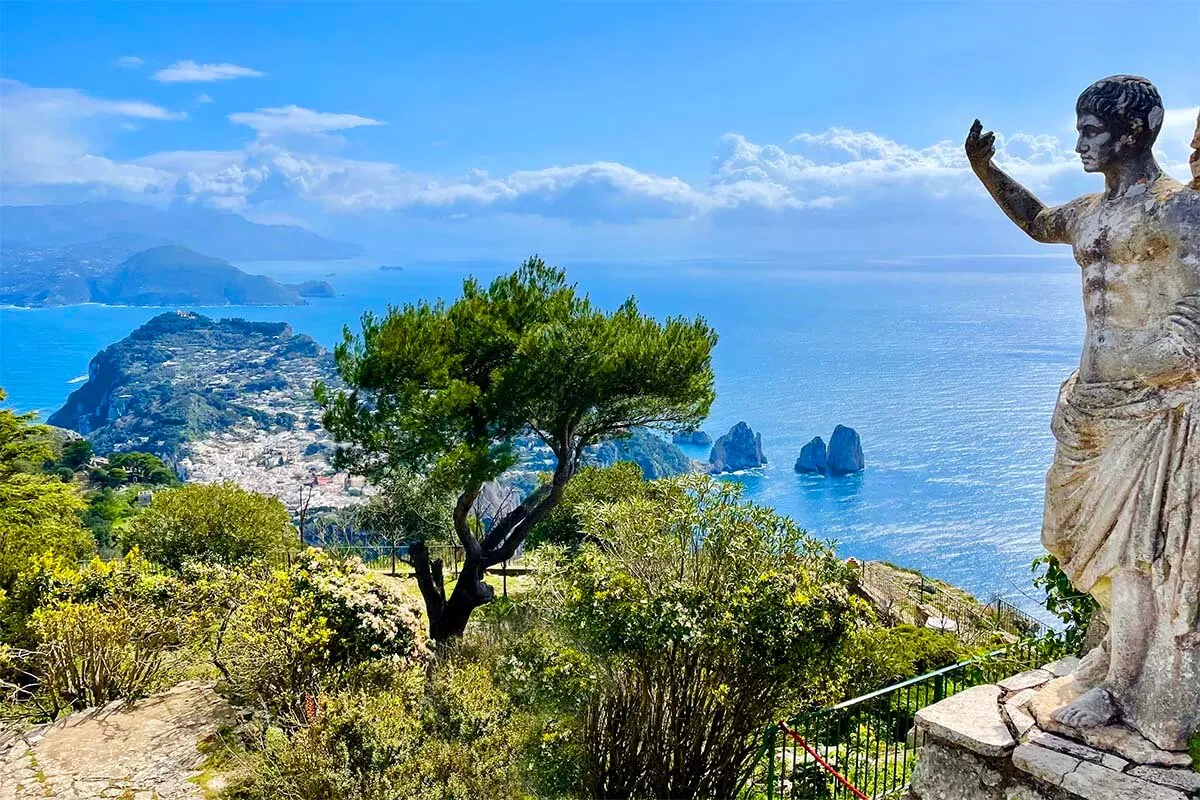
(223, 234)
(171, 275)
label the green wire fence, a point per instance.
(866, 747)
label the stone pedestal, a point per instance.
(997, 742)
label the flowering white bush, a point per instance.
(366, 618)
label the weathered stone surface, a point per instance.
(845, 455)
(1063, 666)
(1052, 742)
(1026, 680)
(1186, 780)
(946, 773)
(1121, 493)
(1044, 764)
(737, 450)
(1084, 779)
(1018, 720)
(970, 719)
(1024, 792)
(1094, 782)
(1021, 699)
(1114, 762)
(813, 458)
(1195, 159)
(149, 749)
(1119, 739)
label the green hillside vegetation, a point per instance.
(173, 275)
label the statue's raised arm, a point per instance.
(1047, 225)
(1195, 159)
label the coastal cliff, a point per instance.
(737, 450)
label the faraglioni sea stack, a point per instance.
(737, 450)
(844, 456)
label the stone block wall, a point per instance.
(992, 743)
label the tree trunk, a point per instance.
(448, 616)
(469, 594)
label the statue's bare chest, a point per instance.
(1124, 232)
(1125, 253)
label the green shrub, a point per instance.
(1073, 607)
(286, 634)
(219, 523)
(38, 512)
(873, 658)
(704, 613)
(358, 746)
(459, 737)
(564, 524)
(113, 630)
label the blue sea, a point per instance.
(947, 369)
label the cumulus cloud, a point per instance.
(191, 72)
(294, 119)
(130, 62)
(46, 139)
(204, 97)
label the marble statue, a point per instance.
(1122, 510)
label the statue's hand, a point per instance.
(980, 147)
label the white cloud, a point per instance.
(130, 62)
(46, 139)
(191, 72)
(837, 178)
(294, 119)
(204, 97)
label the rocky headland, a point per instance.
(738, 450)
(694, 438)
(220, 400)
(114, 273)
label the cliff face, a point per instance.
(657, 457)
(183, 375)
(739, 449)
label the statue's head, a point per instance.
(1118, 119)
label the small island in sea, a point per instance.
(391, 268)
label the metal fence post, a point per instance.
(770, 736)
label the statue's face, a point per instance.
(1098, 147)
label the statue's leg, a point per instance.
(1132, 618)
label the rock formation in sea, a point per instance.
(845, 452)
(696, 437)
(739, 449)
(813, 458)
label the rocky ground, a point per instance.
(151, 750)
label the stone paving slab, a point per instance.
(145, 751)
(970, 719)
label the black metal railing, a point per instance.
(866, 747)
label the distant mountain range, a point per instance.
(219, 233)
(115, 270)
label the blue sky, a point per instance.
(608, 130)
